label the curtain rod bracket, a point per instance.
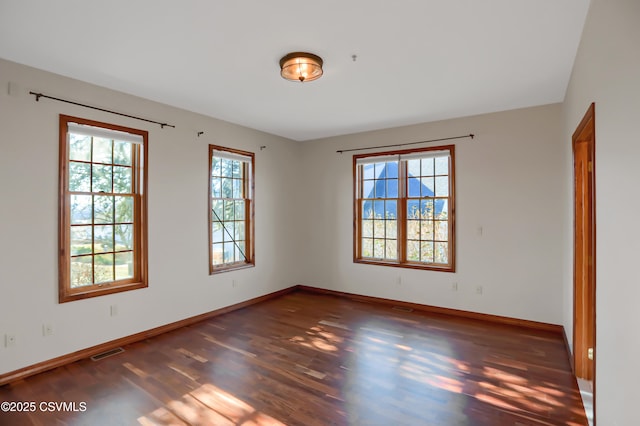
(200, 134)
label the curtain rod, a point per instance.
(470, 135)
(41, 95)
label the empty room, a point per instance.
(345, 213)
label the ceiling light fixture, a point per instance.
(301, 66)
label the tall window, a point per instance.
(404, 208)
(231, 233)
(103, 234)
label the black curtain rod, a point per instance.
(41, 95)
(470, 135)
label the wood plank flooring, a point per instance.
(310, 359)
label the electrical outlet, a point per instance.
(113, 310)
(479, 289)
(9, 340)
(454, 286)
(47, 330)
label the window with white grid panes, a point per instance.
(404, 208)
(231, 208)
(102, 209)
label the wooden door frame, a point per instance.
(584, 314)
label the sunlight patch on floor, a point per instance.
(208, 405)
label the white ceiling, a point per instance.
(417, 60)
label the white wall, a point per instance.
(179, 282)
(508, 181)
(607, 72)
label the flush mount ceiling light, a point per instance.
(301, 66)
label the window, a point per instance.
(103, 234)
(231, 175)
(404, 208)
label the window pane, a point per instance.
(217, 254)
(237, 188)
(427, 167)
(102, 209)
(441, 209)
(442, 186)
(227, 166)
(381, 188)
(227, 188)
(124, 237)
(102, 151)
(81, 271)
(378, 208)
(367, 247)
(413, 250)
(124, 265)
(378, 248)
(122, 153)
(228, 229)
(124, 209)
(239, 251)
(367, 228)
(442, 230)
(413, 229)
(216, 232)
(378, 228)
(80, 209)
(237, 169)
(217, 209)
(392, 249)
(101, 178)
(413, 209)
(442, 166)
(79, 147)
(426, 251)
(239, 231)
(103, 268)
(427, 187)
(81, 241)
(391, 209)
(216, 166)
(229, 213)
(414, 187)
(102, 238)
(413, 168)
(392, 170)
(367, 189)
(441, 253)
(380, 170)
(79, 177)
(216, 187)
(426, 230)
(367, 172)
(228, 252)
(392, 228)
(426, 209)
(122, 179)
(367, 210)
(239, 210)
(392, 188)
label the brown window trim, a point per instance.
(249, 182)
(139, 182)
(402, 221)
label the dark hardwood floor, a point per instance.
(310, 359)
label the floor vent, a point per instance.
(402, 308)
(106, 354)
